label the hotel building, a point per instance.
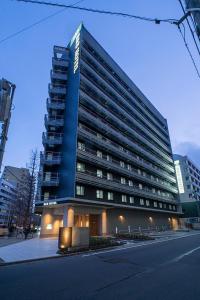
(107, 160)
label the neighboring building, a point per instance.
(107, 158)
(8, 192)
(194, 7)
(19, 177)
(188, 178)
(6, 97)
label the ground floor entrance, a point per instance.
(104, 221)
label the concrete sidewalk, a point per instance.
(35, 248)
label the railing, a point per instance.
(55, 103)
(50, 179)
(102, 124)
(115, 165)
(51, 158)
(127, 152)
(52, 138)
(59, 74)
(54, 120)
(88, 176)
(57, 88)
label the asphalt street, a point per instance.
(164, 270)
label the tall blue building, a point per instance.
(107, 160)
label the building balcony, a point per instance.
(91, 178)
(51, 158)
(53, 103)
(58, 75)
(60, 62)
(90, 156)
(87, 115)
(50, 179)
(52, 138)
(57, 89)
(53, 120)
(113, 148)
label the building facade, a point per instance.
(7, 90)
(107, 160)
(8, 192)
(188, 179)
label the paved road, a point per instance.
(162, 271)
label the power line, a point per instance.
(190, 27)
(189, 52)
(155, 20)
(35, 24)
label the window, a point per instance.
(124, 198)
(153, 190)
(165, 205)
(109, 176)
(99, 135)
(110, 196)
(123, 180)
(80, 190)
(140, 186)
(174, 207)
(155, 204)
(81, 146)
(131, 199)
(160, 205)
(122, 164)
(147, 203)
(46, 195)
(130, 183)
(99, 154)
(170, 207)
(141, 201)
(109, 157)
(129, 167)
(139, 171)
(80, 167)
(100, 173)
(99, 194)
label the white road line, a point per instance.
(140, 245)
(177, 259)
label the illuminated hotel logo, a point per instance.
(77, 52)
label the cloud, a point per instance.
(192, 150)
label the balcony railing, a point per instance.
(113, 147)
(54, 120)
(52, 138)
(92, 179)
(58, 75)
(50, 179)
(90, 155)
(60, 62)
(102, 125)
(51, 158)
(59, 89)
(55, 103)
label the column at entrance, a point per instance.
(104, 223)
(68, 216)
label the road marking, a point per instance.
(140, 245)
(178, 258)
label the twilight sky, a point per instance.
(152, 55)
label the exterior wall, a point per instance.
(123, 218)
(50, 223)
(8, 193)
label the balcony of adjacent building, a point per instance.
(52, 138)
(58, 74)
(57, 89)
(54, 120)
(55, 103)
(51, 158)
(50, 179)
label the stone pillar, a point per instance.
(104, 222)
(68, 216)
